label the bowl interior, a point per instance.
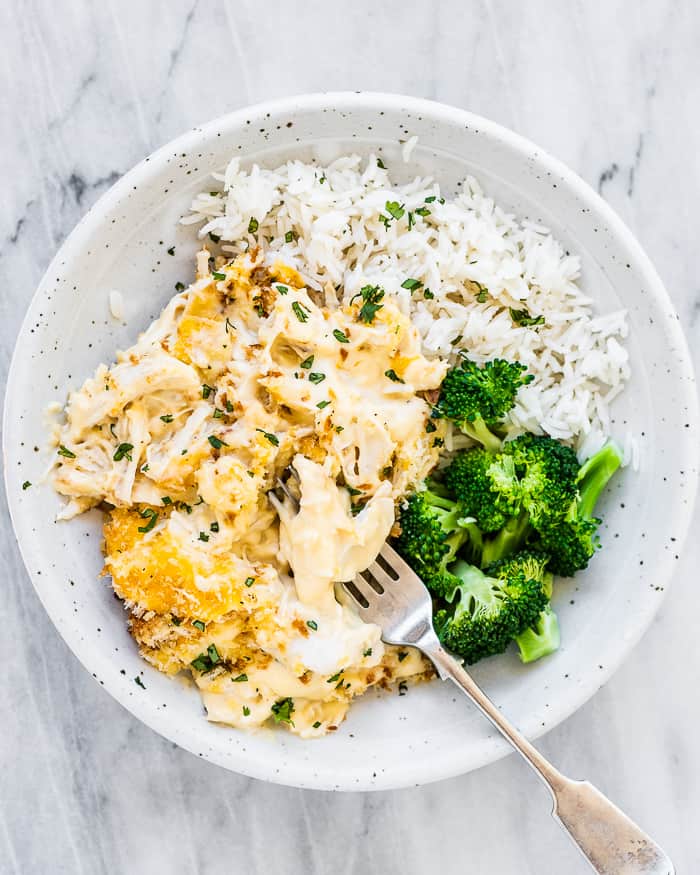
(123, 243)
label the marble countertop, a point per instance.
(89, 89)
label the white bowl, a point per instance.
(122, 243)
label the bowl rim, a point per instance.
(492, 748)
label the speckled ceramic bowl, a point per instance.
(123, 242)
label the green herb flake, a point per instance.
(312, 624)
(339, 428)
(282, 711)
(122, 451)
(282, 289)
(202, 663)
(395, 209)
(322, 404)
(199, 624)
(228, 406)
(246, 711)
(218, 413)
(371, 297)
(139, 682)
(411, 220)
(272, 438)
(402, 654)
(216, 442)
(428, 295)
(213, 654)
(524, 319)
(423, 211)
(430, 199)
(215, 238)
(219, 276)
(26, 485)
(203, 536)
(299, 312)
(179, 287)
(367, 652)
(382, 166)
(335, 677)
(315, 377)
(176, 621)
(214, 527)
(229, 325)
(430, 426)
(393, 376)
(240, 679)
(353, 491)
(152, 517)
(64, 451)
(253, 225)
(317, 724)
(340, 336)
(307, 363)
(166, 499)
(207, 390)
(167, 417)
(289, 237)
(411, 284)
(438, 442)
(249, 581)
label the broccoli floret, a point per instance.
(548, 473)
(431, 534)
(477, 398)
(541, 639)
(485, 486)
(571, 540)
(493, 606)
(508, 540)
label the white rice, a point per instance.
(331, 216)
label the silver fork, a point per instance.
(391, 595)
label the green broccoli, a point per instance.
(493, 606)
(432, 531)
(541, 639)
(571, 540)
(486, 487)
(478, 398)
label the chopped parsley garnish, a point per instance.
(430, 426)
(241, 678)
(430, 199)
(213, 654)
(315, 377)
(483, 294)
(411, 284)
(402, 654)
(523, 318)
(215, 238)
(26, 485)
(112, 431)
(371, 296)
(312, 624)
(322, 404)
(249, 581)
(339, 428)
(207, 390)
(438, 442)
(179, 287)
(318, 722)
(428, 294)
(218, 413)
(151, 515)
(246, 711)
(64, 451)
(167, 417)
(140, 683)
(216, 442)
(423, 211)
(176, 621)
(353, 491)
(411, 220)
(282, 711)
(166, 499)
(228, 406)
(395, 209)
(183, 506)
(122, 451)
(274, 440)
(393, 376)
(144, 468)
(214, 527)
(282, 289)
(253, 225)
(306, 364)
(219, 276)
(289, 237)
(340, 336)
(198, 624)
(335, 677)
(382, 165)
(206, 661)
(299, 312)
(367, 652)
(203, 536)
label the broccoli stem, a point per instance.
(594, 476)
(508, 541)
(479, 431)
(540, 640)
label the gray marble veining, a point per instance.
(90, 88)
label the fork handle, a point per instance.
(611, 842)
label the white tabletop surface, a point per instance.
(88, 89)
